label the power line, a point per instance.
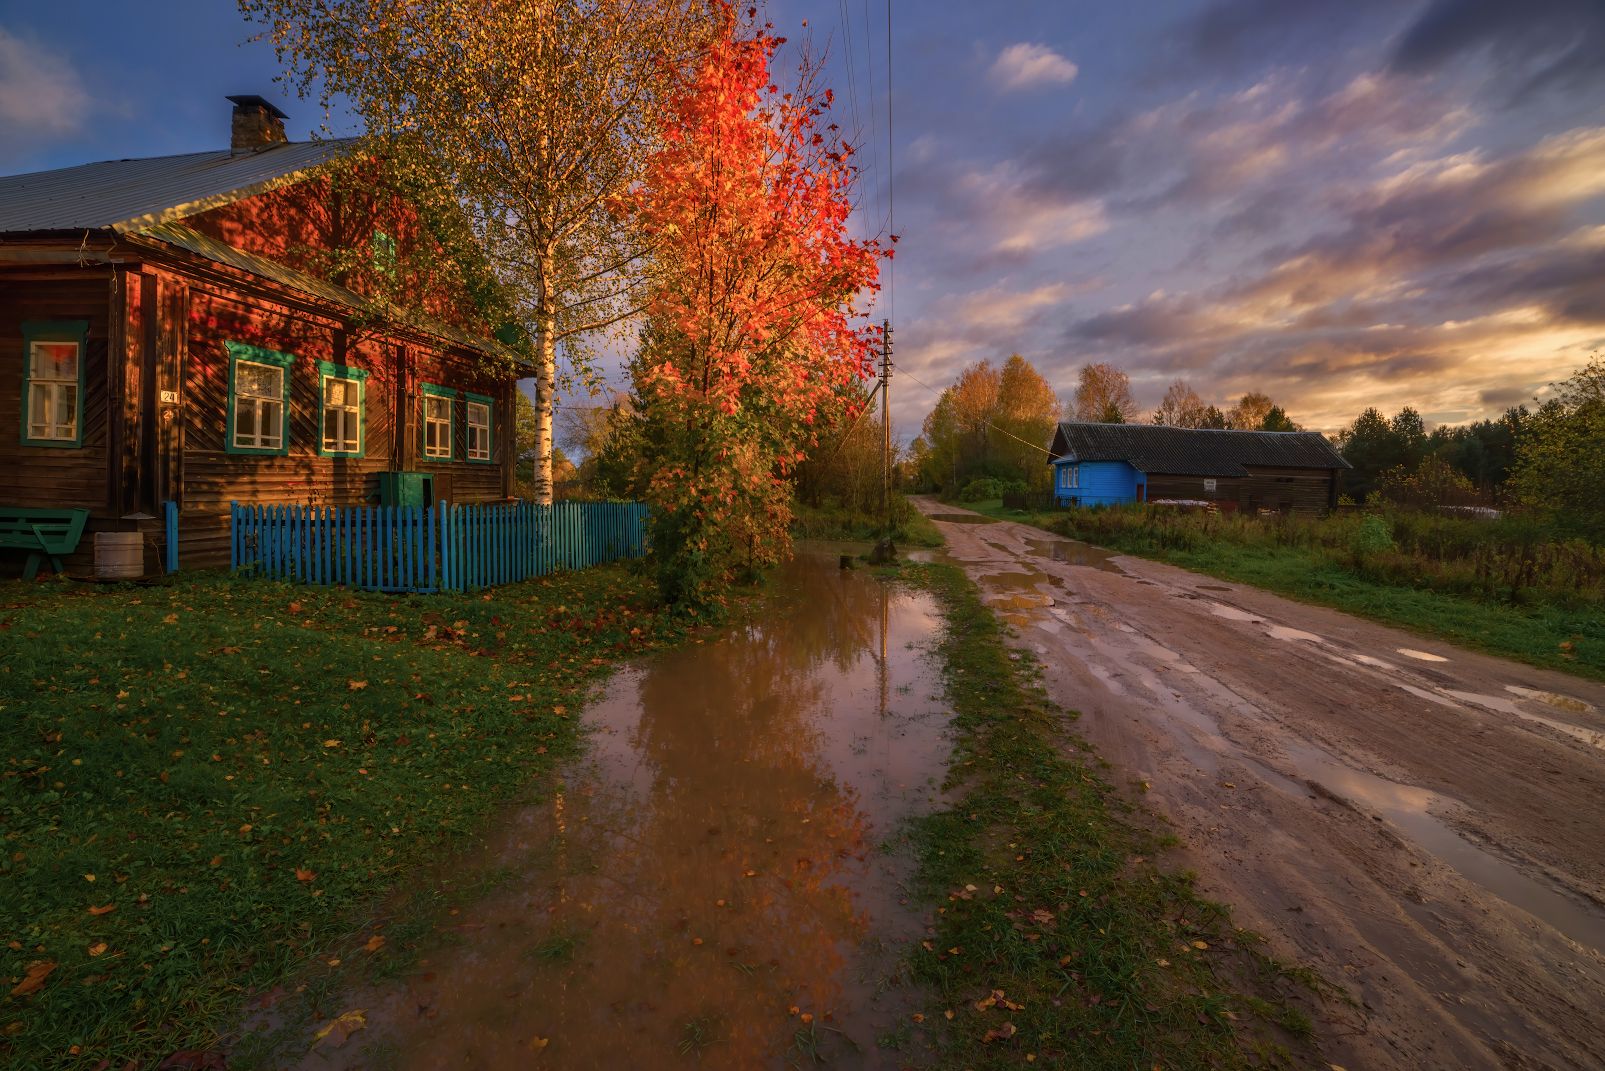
(891, 172)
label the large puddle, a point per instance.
(719, 881)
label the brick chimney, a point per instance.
(257, 125)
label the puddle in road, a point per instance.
(713, 860)
(1232, 613)
(1591, 737)
(1072, 552)
(1559, 702)
(1282, 632)
(1375, 663)
(1420, 656)
(1409, 808)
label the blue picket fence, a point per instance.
(432, 548)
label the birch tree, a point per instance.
(530, 118)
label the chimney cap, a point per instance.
(251, 100)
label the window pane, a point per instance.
(272, 418)
(39, 411)
(437, 408)
(259, 380)
(66, 414)
(54, 360)
(245, 424)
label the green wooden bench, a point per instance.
(43, 533)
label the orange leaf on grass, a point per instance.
(35, 977)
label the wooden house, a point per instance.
(212, 327)
(1110, 464)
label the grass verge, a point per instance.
(207, 787)
(913, 528)
(1566, 638)
(1058, 940)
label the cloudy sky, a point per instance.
(1343, 204)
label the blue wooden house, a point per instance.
(1111, 464)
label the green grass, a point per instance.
(1562, 635)
(912, 528)
(1047, 895)
(207, 788)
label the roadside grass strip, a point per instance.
(207, 787)
(1058, 939)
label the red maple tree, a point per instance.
(754, 323)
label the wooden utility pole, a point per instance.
(886, 426)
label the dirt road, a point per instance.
(1422, 824)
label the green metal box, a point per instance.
(406, 489)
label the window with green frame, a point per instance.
(480, 413)
(438, 403)
(258, 400)
(53, 382)
(342, 417)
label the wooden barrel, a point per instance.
(119, 555)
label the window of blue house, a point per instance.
(53, 382)
(258, 400)
(479, 410)
(343, 417)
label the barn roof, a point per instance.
(1193, 451)
(132, 195)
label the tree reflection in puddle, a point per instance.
(714, 862)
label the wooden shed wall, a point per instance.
(1287, 489)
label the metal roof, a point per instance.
(1193, 451)
(131, 195)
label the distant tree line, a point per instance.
(1548, 461)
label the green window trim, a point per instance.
(328, 370)
(240, 351)
(53, 331)
(490, 427)
(433, 390)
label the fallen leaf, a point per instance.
(331, 743)
(37, 973)
(303, 875)
(338, 1030)
(948, 1014)
(537, 1043)
(918, 1018)
(1002, 1033)
(108, 909)
(806, 1017)
(356, 686)
(1200, 945)
(375, 943)
(98, 948)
